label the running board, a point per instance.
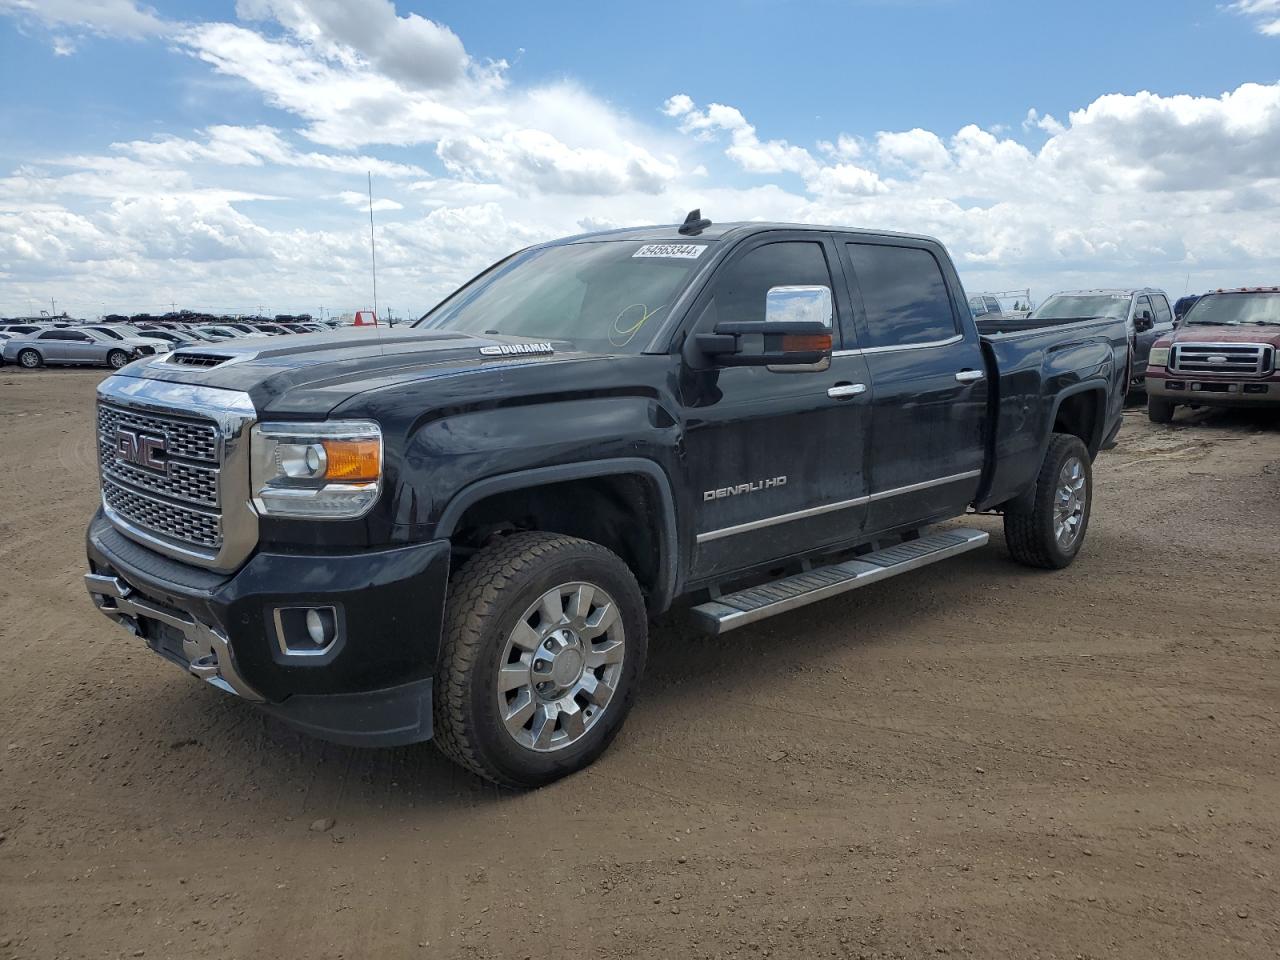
(801, 589)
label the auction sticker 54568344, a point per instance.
(680, 251)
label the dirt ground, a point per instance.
(975, 759)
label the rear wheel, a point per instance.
(1049, 532)
(29, 358)
(545, 642)
(1159, 411)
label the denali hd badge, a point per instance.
(755, 486)
(516, 349)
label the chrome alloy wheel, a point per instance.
(1068, 503)
(560, 667)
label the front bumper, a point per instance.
(1219, 391)
(371, 687)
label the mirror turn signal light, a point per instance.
(812, 343)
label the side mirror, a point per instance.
(1143, 321)
(795, 332)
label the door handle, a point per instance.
(970, 376)
(843, 391)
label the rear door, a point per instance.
(774, 456)
(52, 346)
(1163, 315)
(928, 386)
(1143, 339)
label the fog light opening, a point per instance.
(306, 631)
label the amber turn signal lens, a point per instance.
(792, 343)
(353, 460)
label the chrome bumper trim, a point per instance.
(207, 650)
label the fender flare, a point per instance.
(664, 589)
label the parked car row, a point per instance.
(60, 341)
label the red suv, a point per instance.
(1223, 354)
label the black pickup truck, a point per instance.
(461, 529)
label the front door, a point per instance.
(928, 385)
(774, 456)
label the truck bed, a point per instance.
(1032, 373)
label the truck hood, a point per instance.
(1235, 334)
(310, 374)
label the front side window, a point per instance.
(1163, 315)
(904, 296)
(607, 296)
(741, 287)
(1144, 303)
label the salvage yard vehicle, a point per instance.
(1225, 353)
(74, 347)
(460, 529)
(1145, 312)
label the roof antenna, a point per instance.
(694, 224)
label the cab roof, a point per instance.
(670, 233)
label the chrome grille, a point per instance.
(1247, 359)
(182, 501)
(170, 519)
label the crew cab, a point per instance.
(460, 529)
(1225, 353)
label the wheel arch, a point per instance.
(1080, 411)
(653, 551)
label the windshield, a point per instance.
(1075, 306)
(606, 296)
(1235, 310)
(108, 333)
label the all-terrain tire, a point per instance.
(1030, 529)
(486, 600)
(1160, 411)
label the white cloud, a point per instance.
(256, 147)
(121, 18)
(353, 198)
(746, 148)
(411, 50)
(1264, 13)
(918, 149)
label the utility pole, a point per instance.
(373, 250)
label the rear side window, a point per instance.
(741, 286)
(1162, 314)
(904, 297)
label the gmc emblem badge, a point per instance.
(141, 450)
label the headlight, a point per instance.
(319, 470)
(1159, 357)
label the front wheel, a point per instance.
(30, 359)
(1159, 411)
(117, 359)
(1049, 532)
(544, 644)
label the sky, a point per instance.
(213, 154)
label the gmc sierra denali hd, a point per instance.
(461, 529)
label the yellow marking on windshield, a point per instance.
(622, 335)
